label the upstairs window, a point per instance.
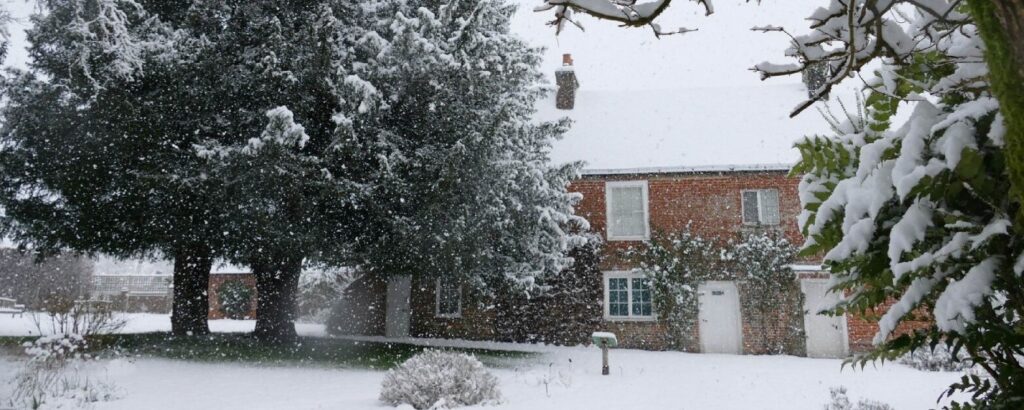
(627, 296)
(449, 299)
(627, 210)
(760, 207)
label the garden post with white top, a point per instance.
(604, 340)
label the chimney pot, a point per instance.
(565, 78)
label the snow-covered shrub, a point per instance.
(840, 401)
(935, 360)
(51, 375)
(436, 379)
(235, 299)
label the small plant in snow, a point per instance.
(435, 379)
(63, 315)
(939, 359)
(841, 402)
(51, 375)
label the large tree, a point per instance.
(285, 206)
(437, 131)
(95, 151)
(105, 137)
(394, 134)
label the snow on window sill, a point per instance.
(628, 238)
(630, 318)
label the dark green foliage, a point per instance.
(967, 236)
(235, 299)
(567, 309)
(455, 174)
(677, 263)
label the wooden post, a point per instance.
(604, 358)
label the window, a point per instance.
(627, 210)
(627, 296)
(449, 299)
(760, 207)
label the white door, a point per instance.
(826, 335)
(398, 312)
(721, 330)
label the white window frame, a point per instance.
(629, 276)
(437, 302)
(608, 186)
(760, 207)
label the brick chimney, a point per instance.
(565, 78)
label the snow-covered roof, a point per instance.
(721, 128)
(677, 103)
(109, 266)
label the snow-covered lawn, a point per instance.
(556, 378)
(24, 325)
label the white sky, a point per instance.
(719, 54)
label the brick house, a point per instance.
(656, 161)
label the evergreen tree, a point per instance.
(437, 131)
(110, 138)
(922, 214)
(95, 152)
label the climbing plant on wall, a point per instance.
(677, 263)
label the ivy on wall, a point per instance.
(677, 263)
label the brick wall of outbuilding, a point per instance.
(476, 321)
(217, 280)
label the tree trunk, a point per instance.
(277, 285)
(1001, 23)
(192, 265)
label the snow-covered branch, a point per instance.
(627, 12)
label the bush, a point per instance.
(841, 402)
(435, 379)
(67, 316)
(51, 376)
(939, 359)
(235, 299)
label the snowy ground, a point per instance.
(25, 325)
(557, 378)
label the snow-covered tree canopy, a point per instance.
(436, 126)
(395, 135)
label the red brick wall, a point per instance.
(710, 203)
(476, 321)
(864, 327)
(216, 280)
